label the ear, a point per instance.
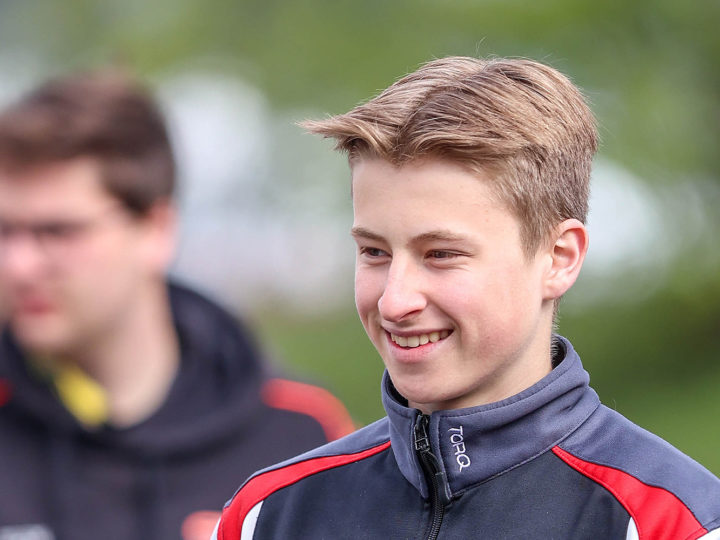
(160, 236)
(567, 249)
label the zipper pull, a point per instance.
(438, 478)
(422, 442)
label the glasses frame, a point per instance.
(56, 235)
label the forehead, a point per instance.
(455, 177)
(424, 194)
(52, 189)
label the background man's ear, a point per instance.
(160, 239)
(567, 254)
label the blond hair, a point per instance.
(520, 120)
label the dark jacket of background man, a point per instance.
(225, 417)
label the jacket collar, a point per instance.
(477, 443)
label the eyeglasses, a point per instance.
(53, 235)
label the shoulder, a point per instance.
(219, 349)
(241, 512)
(662, 489)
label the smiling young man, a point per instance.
(127, 403)
(470, 185)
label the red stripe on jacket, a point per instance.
(260, 487)
(658, 514)
(311, 400)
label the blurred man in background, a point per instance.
(129, 406)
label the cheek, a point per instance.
(103, 277)
(514, 301)
(463, 294)
(368, 290)
(511, 281)
(103, 251)
(493, 301)
(117, 254)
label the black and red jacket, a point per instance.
(550, 462)
(167, 477)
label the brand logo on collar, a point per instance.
(457, 440)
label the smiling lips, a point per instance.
(421, 339)
(33, 306)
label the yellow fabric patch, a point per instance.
(81, 395)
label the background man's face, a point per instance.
(443, 287)
(72, 259)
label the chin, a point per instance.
(420, 396)
(40, 339)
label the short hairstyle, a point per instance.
(104, 115)
(520, 120)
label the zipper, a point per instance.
(439, 490)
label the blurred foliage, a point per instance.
(651, 69)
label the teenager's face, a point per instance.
(73, 260)
(443, 287)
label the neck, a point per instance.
(137, 359)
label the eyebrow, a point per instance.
(362, 232)
(440, 234)
(444, 235)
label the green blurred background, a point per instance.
(645, 316)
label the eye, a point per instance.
(441, 254)
(371, 252)
(372, 255)
(58, 230)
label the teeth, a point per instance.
(421, 339)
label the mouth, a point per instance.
(411, 342)
(33, 306)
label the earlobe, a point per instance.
(567, 254)
(161, 224)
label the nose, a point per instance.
(20, 258)
(403, 295)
